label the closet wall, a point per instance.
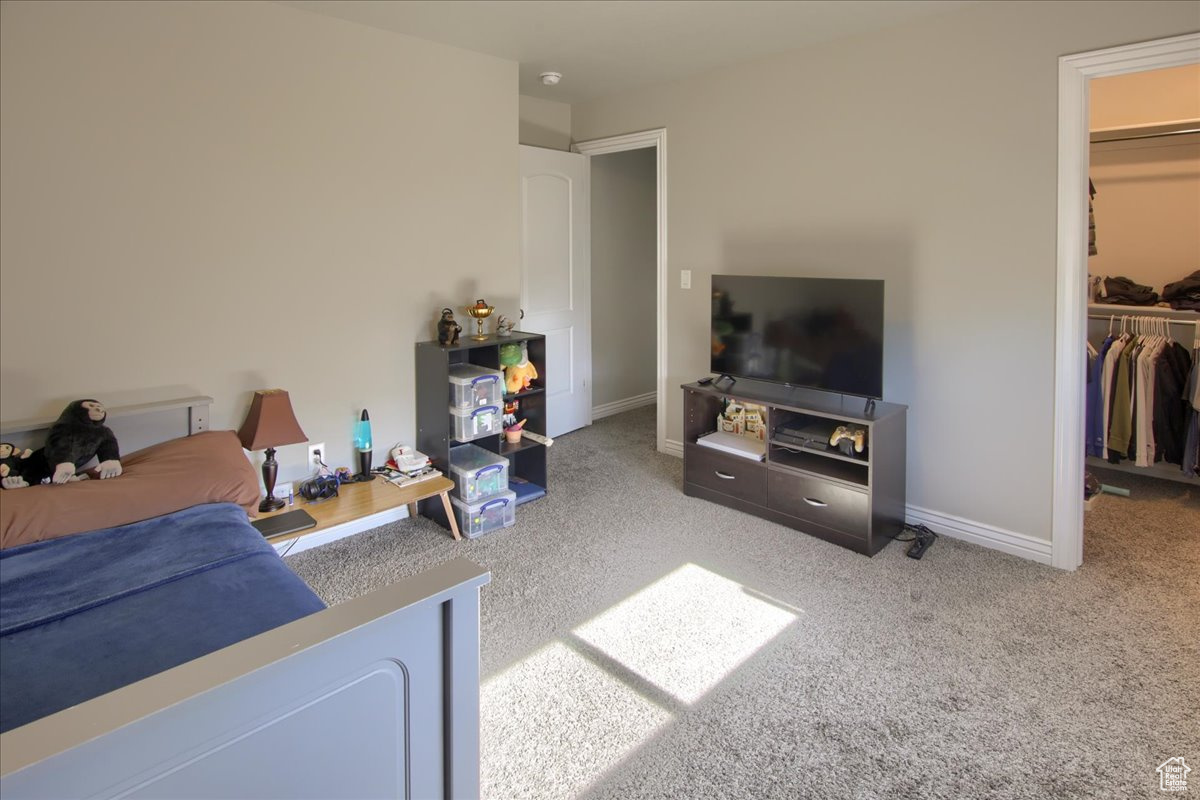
(1147, 206)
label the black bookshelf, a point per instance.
(527, 460)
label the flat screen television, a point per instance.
(820, 333)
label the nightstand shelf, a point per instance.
(359, 502)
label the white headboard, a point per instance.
(135, 426)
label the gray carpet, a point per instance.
(640, 643)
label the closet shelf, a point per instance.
(1142, 311)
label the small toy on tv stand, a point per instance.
(743, 419)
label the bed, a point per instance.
(178, 656)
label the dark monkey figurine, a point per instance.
(77, 436)
(448, 329)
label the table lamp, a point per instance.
(362, 443)
(271, 423)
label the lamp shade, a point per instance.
(271, 422)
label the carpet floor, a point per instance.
(640, 643)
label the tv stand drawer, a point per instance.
(724, 473)
(823, 502)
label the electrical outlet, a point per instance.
(316, 452)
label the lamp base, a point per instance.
(270, 469)
(364, 468)
(270, 504)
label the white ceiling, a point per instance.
(607, 46)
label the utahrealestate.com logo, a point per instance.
(1172, 775)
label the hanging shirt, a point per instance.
(1120, 424)
(1144, 418)
(1095, 406)
(1108, 378)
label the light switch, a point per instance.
(685, 279)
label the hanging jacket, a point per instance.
(1091, 219)
(1170, 407)
(1191, 445)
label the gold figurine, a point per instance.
(480, 311)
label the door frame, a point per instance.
(1074, 152)
(656, 138)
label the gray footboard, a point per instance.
(376, 697)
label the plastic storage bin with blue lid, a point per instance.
(487, 514)
(474, 423)
(473, 386)
(477, 472)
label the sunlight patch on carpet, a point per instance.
(554, 722)
(687, 631)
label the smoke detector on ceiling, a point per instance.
(551, 78)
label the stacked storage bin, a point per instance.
(481, 498)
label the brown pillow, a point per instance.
(209, 467)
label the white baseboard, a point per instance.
(673, 448)
(1018, 544)
(628, 404)
(292, 546)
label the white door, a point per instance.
(556, 278)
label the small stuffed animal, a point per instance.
(77, 436)
(11, 456)
(519, 377)
(21, 468)
(448, 329)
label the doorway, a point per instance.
(1075, 72)
(624, 248)
(655, 140)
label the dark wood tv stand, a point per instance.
(856, 501)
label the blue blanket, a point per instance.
(86, 614)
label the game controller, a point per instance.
(856, 435)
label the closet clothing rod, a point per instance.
(1117, 318)
(1145, 136)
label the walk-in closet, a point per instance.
(1143, 391)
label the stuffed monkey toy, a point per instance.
(77, 436)
(21, 468)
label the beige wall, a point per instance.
(926, 156)
(624, 272)
(1147, 209)
(544, 123)
(1147, 205)
(1144, 98)
(217, 197)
